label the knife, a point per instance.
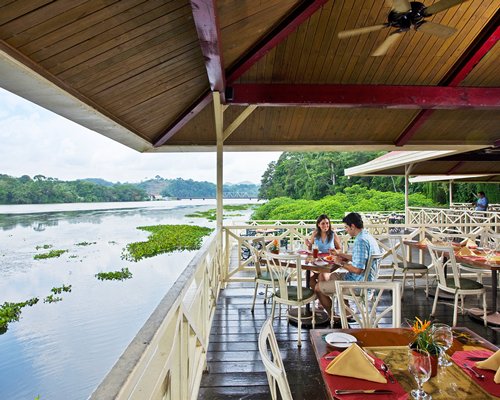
(373, 391)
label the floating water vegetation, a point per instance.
(166, 239)
(52, 299)
(11, 312)
(114, 275)
(44, 246)
(211, 214)
(50, 254)
(85, 243)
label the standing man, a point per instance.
(482, 202)
(364, 246)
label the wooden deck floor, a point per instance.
(235, 368)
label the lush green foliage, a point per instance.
(41, 190)
(50, 254)
(182, 188)
(355, 198)
(166, 239)
(10, 312)
(114, 275)
(317, 175)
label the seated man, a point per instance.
(364, 246)
(482, 202)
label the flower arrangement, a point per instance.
(423, 337)
(275, 247)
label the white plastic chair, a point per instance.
(366, 298)
(442, 257)
(257, 248)
(406, 266)
(271, 358)
(282, 267)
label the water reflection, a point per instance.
(63, 350)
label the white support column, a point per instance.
(407, 182)
(218, 111)
(450, 188)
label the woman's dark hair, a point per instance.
(353, 219)
(329, 233)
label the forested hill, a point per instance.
(183, 188)
(42, 190)
(316, 175)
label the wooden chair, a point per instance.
(406, 266)
(363, 300)
(443, 258)
(271, 358)
(373, 262)
(257, 248)
(283, 267)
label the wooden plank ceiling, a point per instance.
(149, 66)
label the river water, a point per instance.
(62, 350)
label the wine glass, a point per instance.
(419, 365)
(489, 248)
(443, 337)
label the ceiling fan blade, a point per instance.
(441, 6)
(436, 29)
(359, 31)
(387, 44)
(401, 6)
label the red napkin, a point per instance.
(488, 384)
(335, 382)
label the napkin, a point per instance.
(465, 251)
(493, 363)
(470, 243)
(354, 363)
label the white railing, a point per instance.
(167, 357)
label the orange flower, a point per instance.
(275, 242)
(419, 326)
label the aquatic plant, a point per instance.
(45, 246)
(85, 243)
(52, 299)
(50, 254)
(166, 239)
(11, 312)
(114, 275)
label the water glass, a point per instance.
(443, 337)
(419, 365)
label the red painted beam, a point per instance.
(207, 26)
(274, 37)
(362, 96)
(184, 118)
(458, 73)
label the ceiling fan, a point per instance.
(404, 16)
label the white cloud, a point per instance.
(36, 141)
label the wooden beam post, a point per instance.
(220, 149)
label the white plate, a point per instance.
(320, 263)
(339, 339)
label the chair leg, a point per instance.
(455, 311)
(313, 315)
(299, 326)
(485, 310)
(414, 282)
(403, 284)
(427, 286)
(265, 295)
(272, 311)
(435, 302)
(254, 296)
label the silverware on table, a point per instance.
(477, 374)
(388, 373)
(356, 391)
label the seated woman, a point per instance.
(325, 238)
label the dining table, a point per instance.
(389, 346)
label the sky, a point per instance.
(35, 141)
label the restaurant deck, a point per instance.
(235, 367)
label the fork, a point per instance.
(385, 368)
(477, 374)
